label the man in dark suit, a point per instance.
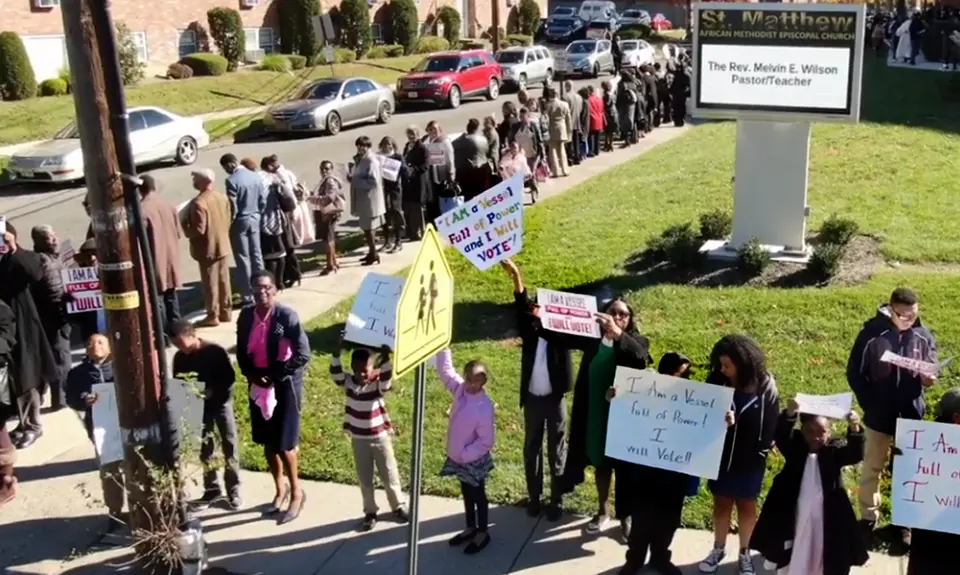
(575, 101)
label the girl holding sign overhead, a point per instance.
(808, 526)
(738, 362)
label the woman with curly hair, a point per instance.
(738, 362)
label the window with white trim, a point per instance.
(259, 39)
(46, 3)
(140, 40)
(187, 43)
(377, 32)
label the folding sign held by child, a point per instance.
(367, 422)
(469, 441)
(807, 525)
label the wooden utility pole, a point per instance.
(113, 196)
(495, 16)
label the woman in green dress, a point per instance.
(621, 344)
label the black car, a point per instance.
(562, 30)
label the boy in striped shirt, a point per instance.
(367, 422)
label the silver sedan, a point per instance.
(331, 104)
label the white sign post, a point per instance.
(571, 313)
(373, 317)
(669, 423)
(489, 228)
(925, 490)
(775, 68)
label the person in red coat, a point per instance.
(595, 105)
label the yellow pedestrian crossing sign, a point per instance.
(425, 309)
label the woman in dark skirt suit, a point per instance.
(272, 352)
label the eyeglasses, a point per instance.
(618, 313)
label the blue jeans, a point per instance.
(245, 240)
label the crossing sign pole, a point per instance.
(424, 327)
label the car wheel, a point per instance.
(333, 123)
(522, 82)
(384, 113)
(596, 70)
(186, 151)
(453, 98)
(493, 89)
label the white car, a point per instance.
(523, 65)
(637, 53)
(635, 17)
(156, 135)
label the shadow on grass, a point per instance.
(910, 97)
(240, 97)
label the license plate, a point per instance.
(412, 94)
(26, 173)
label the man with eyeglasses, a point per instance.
(886, 392)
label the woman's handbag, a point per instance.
(541, 171)
(447, 204)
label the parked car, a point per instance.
(636, 53)
(599, 30)
(330, 105)
(634, 17)
(563, 30)
(156, 135)
(523, 64)
(586, 58)
(660, 22)
(446, 78)
(591, 10)
(564, 12)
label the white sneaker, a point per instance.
(712, 562)
(597, 524)
(746, 564)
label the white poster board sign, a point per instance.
(390, 168)
(107, 436)
(436, 154)
(666, 422)
(833, 406)
(919, 366)
(373, 317)
(571, 313)
(489, 228)
(186, 404)
(67, 251)
(83, 285)
(925, 492)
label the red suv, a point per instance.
(446, 78)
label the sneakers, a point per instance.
(400, 515)
(746, 564)
(626, 524)
(712, 561)
(597, 524)
(235, 502)
(368, 523)
(209, 498)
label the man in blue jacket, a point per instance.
(884, 391)
(248, 198)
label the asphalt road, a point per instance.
(28, 206)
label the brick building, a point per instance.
(163, 32)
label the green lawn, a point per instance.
(891, 178)
(39, 118)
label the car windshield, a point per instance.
(321, 91)
(510, 57)
(582, 47)
(632, 14)
(439, 64)
(565, 11)
(628, 45)
(69, 132)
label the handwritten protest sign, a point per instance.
(83, 285)
(67, 251)
(571, 313)
(436, 154)
(667, 422)
(489, 228)
(107, 436)
(925, 490)
(922, 367)
(833, 406)
(373, 317)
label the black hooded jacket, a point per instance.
(750, 438)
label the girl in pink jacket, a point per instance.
(469, 441)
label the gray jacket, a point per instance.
(470, 151)
(247, 194)
(366, 188)
(576, 110)
(446, 171)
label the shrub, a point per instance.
(528, 17)
(297, 62)
(17, 81)
(519, 40)
(274, 63)
(356, 33)
(226, 27)
(715, 225)
(472, 44)
(678, 244)
(404, 24)
(53, 87)
(132, 69)
(635, 32)
(837, 230)
(825, 261)
(179, 71)
(752, 258)
(345, 56)
(64, 74)
(450, 19)
(202, 35)
(206, 64)
(385, 51)
(297, 35)
(431, 44)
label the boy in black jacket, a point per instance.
(212, 366)
(97, 368)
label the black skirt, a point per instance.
(282, 431)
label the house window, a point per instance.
(188, 43)
(377, 33)
(259, 39)
(46, 3)
(140, 40)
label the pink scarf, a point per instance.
(265, 398)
